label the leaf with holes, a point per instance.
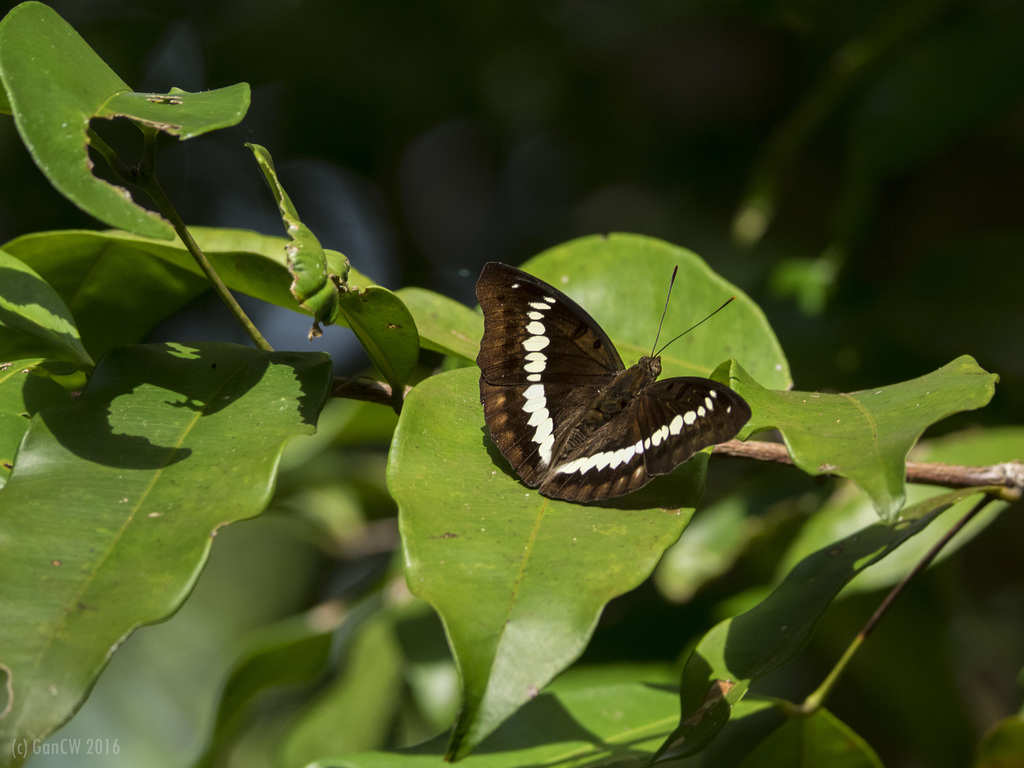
(56, 84)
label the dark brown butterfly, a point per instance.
(569, 417)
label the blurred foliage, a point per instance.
(857, 168)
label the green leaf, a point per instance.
(742, 649)
(22, 395)
(31, 308)
(621, 280)
(387, 331)
(615, 722)
(848, 511)
(712, 543)
(866, 435)
(110, 511)
(315, 289)
(817, 741)
(56, 83)
(291, 652)
(444, 325)
(119, 285)
(518, 580)
(180, 113)
(356, 710)
(1003, 745)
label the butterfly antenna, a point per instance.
(665, 310)
(729, 301)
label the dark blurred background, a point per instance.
(857, 167)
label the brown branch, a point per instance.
(1009, 475)
(364, 389)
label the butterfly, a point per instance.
(569, 417)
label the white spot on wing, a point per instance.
(535, 343)
(545, 449)
(689, 417)
(538, 417)
(537, 406)
(676, 425)
(535, 329)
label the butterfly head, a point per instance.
(650, 365)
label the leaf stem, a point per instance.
(814, 701)
(144, 177)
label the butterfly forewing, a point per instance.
(532, 328)
(542, 360)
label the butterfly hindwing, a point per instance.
(684, 415)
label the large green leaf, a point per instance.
(585, 720)
(520, 580)
(56, 84)
(118, 285)
(742, 649)
(867, 435)
(109, 514)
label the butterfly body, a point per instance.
(570, 418)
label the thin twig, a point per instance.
(814, 701)
(364, 389)
(144, 178)
(1009, 475)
